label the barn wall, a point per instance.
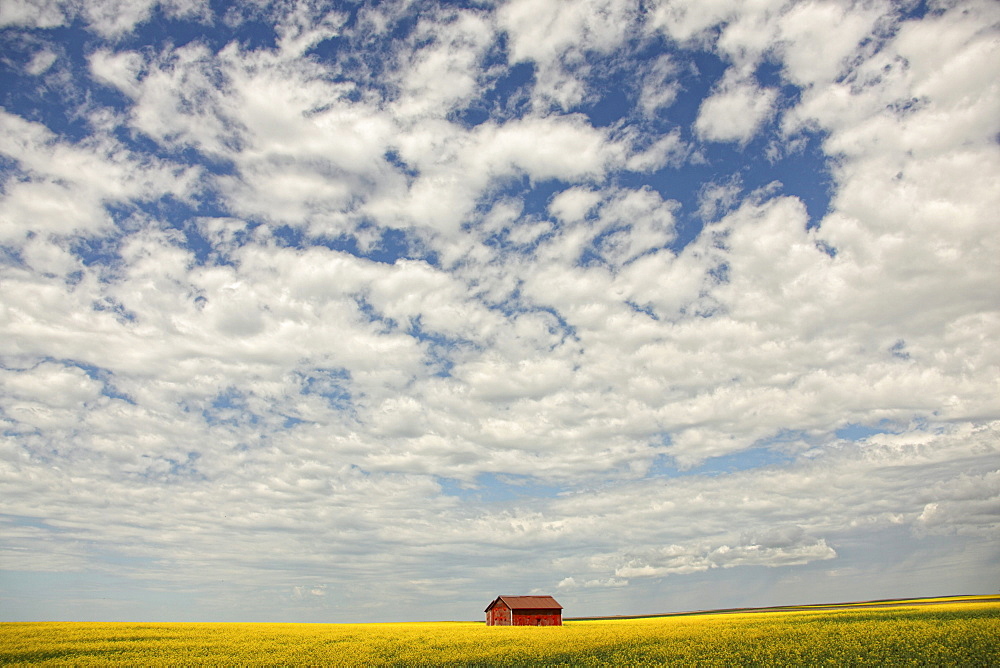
(537, 618)
(498, 615)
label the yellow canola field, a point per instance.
(946, 634)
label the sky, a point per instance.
(373, 311)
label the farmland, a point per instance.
(959, 632)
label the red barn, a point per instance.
(524, 611)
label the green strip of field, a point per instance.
(880, 603)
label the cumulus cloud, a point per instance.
(444, 72)
(46, 14)
(659, 86)
(65, 187)
(718, 197)
(677, 560)
(556, 35)
(735, 110)
(107, 18)
(820, 39)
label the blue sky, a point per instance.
(374, 311)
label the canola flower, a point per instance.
(945, 634)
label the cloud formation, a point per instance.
(309, 310)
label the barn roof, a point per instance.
(527, 603)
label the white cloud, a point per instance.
(716, 198)
(33, 13)
(108, 18)
(819, 38)
(457, 166)
(668, 513)
(573, 204)
(66, 186)
(41, 62)
(659, 87)
(966, 505)
(546, 31)
(444, 74)
(305, 161)
(678, 560)
(305, 25)
(688, 20)
(570, 583)
(119, 69)
(556, 35)
(318, 159)
(666, 150)
(114, 17)
(735, 110)
(566, 148)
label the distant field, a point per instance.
(937, 632)
(879, 603)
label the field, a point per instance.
(921, 632)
